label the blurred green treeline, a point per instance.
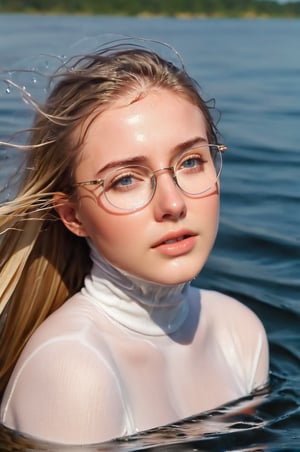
(210, 8)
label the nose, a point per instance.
(169, 202)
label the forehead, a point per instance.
(133, 99)
(143, 108)
(148, 125)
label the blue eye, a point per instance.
(130, 179)
(124, 181)
(190, 163)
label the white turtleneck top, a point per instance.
(125, 355)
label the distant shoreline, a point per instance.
(200, 9)
(149, 15)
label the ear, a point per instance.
(67, 211)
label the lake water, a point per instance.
(252, 68)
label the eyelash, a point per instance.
(197, 157)
(116, 182)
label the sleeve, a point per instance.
(67, 393)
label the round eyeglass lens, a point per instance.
(129, 188)
(197, 172)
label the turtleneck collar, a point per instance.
(139, 305)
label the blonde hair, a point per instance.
(42, 263)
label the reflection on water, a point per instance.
(234, 425)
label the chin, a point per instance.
(178, 276)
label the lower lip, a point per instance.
(177, 248)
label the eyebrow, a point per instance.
(142, 160)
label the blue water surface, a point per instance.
(252, 68)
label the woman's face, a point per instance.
(168, 240)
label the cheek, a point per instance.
(207, 218)
(110, 233)
(213, 212)
(115, 232)
(214, 208)
(120, 240)
(208, 210)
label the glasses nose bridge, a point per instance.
(165, 169)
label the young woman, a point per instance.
(102, 333)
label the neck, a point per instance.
(138, 305)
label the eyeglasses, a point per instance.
(132, 187)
